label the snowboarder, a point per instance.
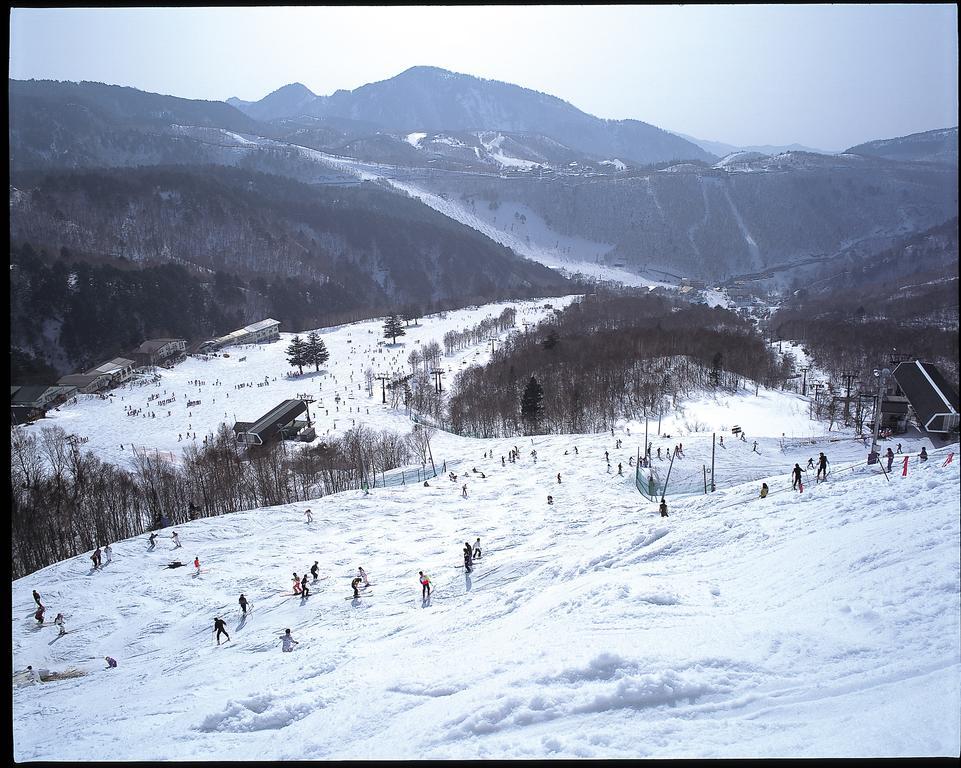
(288, 641)
(197, 566)
(220, 626)
(754, 448)
(822, 467)
(309, 516)
(33, 675)
(468, 557)
(36, 598)
(59, 622)
(108, 552)
(663, 507)
(890, 457)
(111, 662)
(243, 604)
(550, 499)
(425, 585)
(796, 475)
(96, 558)
(764, 490)
(313, 570)
(558, 478)
(296, 583)
(721, 441)
(153, 541)
(304, 589)
(363, 575)
(39, 614)
(355, 585)
(924, 454)
(176, 540)
(477, 549)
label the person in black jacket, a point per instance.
(220, 626)
(663, 507)
(243, 604)
(304, 589)
(796, 476)
(36, 597)
(468, 557)
(313, 570)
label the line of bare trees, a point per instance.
(455, 340)
(65, 501)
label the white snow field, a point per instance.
(820, 624)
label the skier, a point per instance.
(36, 597)
(607, 457)
(468, 557)
(175, 564)
(899, 448)
(620, 468)
(96, 557)
(754, 448)
(796, 475)
(33, 675)
(558, 478)
(221, 626)
(924, 454)
(663, 507)
(313, 570)
(722, 441)
(764, 490)
(464, 490)
(153, 540)
(39, 614)
(108, 552)
(425, 585)
(288, 641)
(363, 575)
(310, 517)
(243, 604)
(296, 583)
(822, 466)
(111, 662)
(59, 622)
(197, 566)
(355, 585)
(176, 540)
(890, 457)
(304, 589)
(550, 499)
(810, 464)
(658, 452)
(477, 549)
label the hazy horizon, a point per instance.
(827, 77)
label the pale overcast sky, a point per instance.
(826, 76)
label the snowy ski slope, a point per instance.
(821, 624)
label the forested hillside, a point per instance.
(247, 246)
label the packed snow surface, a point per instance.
(818, 624)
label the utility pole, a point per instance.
(804, 381)
(848, 377)
(382, 378)
(882, 375)
(713, 442)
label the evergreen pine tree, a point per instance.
(316, 350)
(393, 328)
(297, 353)
(532, 402)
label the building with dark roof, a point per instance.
(276, 424)
(155, 351)
(933, 401)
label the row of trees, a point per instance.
(609, 357)
(65, 501)
(455, 340)
(311, 351)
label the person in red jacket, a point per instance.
(197, 564)
(425, 585)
